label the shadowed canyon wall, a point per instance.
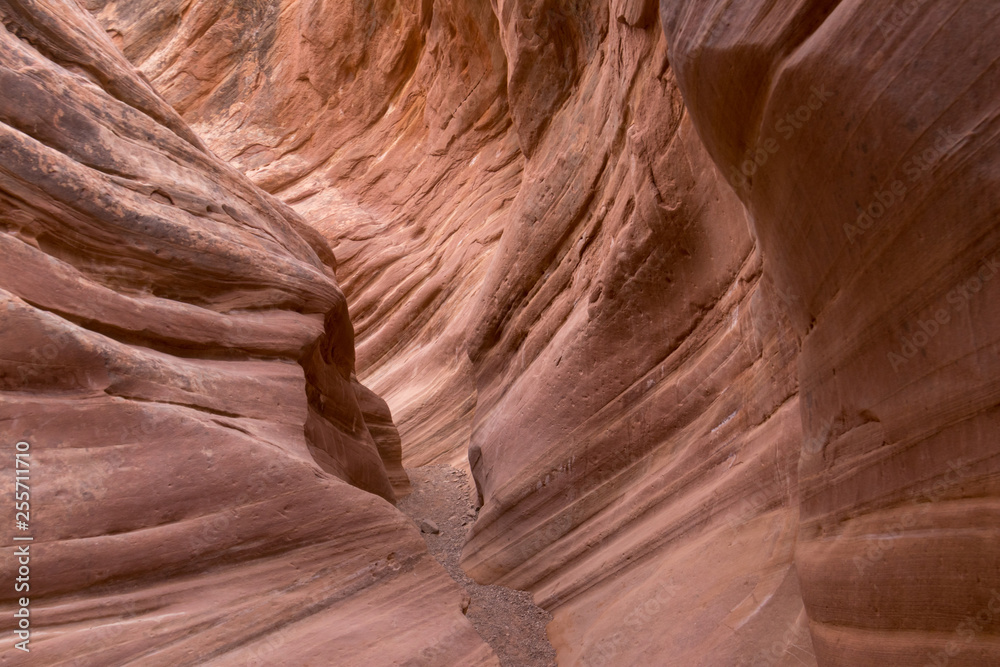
(632, 372)
(880, 211)
(701, 289)
(178, 361)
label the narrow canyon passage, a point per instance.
(695, 300)
(507, 620)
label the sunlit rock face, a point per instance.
(387, 126)
(209, 481)
(615, 254)
(632, 373)
(637, 427)
(877, 203)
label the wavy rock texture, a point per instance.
(626, 285)
(880, 210)
(387, 126)
(177, 352)
(636, 427)
(551, 256)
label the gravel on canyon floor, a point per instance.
(506, 619)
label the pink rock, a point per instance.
(178, 355)
(706, 291)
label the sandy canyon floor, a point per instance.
(506, 619)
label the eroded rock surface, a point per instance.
(508, 620)
(627, 359)
(589, 242)
(877, 203)
(205, 470)
(387, 126)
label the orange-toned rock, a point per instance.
(637, 432)
(622, 318)
(386, 125)
(177, 355)
(655, 265)
(867, 154)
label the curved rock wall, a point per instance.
(703, 286)
(866, 151)
(387, 126)
(626, 283)
(178, 357)
(636, 429)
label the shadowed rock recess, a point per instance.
(703, 294)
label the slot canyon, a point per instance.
(677, 312)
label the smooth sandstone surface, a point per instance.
(387, 126)
(632, 372)
(209, 481)
(615, 253)
(880, 210)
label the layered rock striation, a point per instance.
(208, 480)
(626, 355)
(701, 288)
(867, 156)
(387, 126)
